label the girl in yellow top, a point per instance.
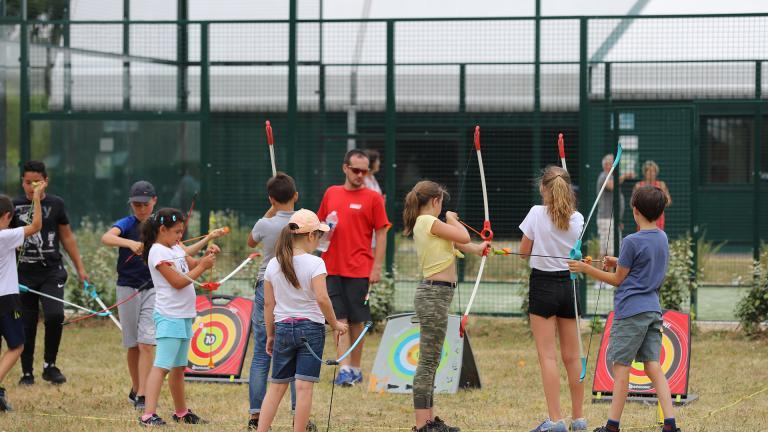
(437, 245)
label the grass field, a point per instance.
(725, 367)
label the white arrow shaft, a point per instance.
(477, 285)
(594, 206)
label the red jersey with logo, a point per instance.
(360, 212)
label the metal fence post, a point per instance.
(182, 55)
(25, 145)
(536, 159)
(292, 89)
(583, 131)
(126, 52)
(694, 227)
(205, 135)
(390, 131)
(757, 164)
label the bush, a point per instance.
(382, 299)
(752, 310)
(677, 286)
(100, 263)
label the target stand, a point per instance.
(675, 360)
(220, 336)
(398, 356)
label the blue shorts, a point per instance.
(291, 360)
(12, 329)
(173, 338)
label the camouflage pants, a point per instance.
(431, 305)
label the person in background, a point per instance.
(651, 178)
(374, 165)
(132, 276)
(605, 226)
(41, 268)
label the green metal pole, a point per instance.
(584, 171)
(461, 161)
(205, 136)
(182, 55)
(126, 51)
(67, 60)
(292, 89)
(390, 148)
(25, 145)
(757, 165)
(694, 194)
(536, 159)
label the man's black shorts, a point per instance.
(551, 294)
(348, 296)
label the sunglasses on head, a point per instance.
(358, 171)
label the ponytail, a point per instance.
(284, 254)
(555, 186)
(418, 197)
(167, 217)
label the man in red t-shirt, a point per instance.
(351, 262)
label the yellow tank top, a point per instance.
(435, 254)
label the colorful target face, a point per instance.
(404, 354)
(219, 336)
(674, 359)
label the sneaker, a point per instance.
(4, 405)
(27, 379)
(253, 424)
(54, 375)
(550, 426)
(155, 420)
(579, 424)
(439, 425)
(140, 403)
(189, 418)
(676, 430)
(357, 377)
(132, 397)
(344, 378)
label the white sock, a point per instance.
(346, 368)
(46, 365)
(356, 370)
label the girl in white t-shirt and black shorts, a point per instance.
(296, 307)
(551, 230)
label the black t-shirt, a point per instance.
(41, 249)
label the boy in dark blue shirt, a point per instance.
(132, 276)
(637, 325)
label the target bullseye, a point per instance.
(216, 334)
(404, 355)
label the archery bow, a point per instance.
(576, 255)
(211, 286)
(24, 288)
(338, 361)
(271, 144)
(91, 290)
(486, 234)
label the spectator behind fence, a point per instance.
(650, 178)
(605, 206)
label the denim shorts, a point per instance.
(291, 360)
(636, 338)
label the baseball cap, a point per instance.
(142, 191)
(307, 222)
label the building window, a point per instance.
(726, 156)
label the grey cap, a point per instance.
(141, 191)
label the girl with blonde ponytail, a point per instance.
(551, 230)
(436, 243)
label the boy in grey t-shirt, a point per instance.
(637, 325)
(283, 196)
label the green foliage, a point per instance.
(752, 310)
(382, 299)
(596, 324)
(522, 291)
(677, 286)
(100, 262)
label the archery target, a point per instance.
(220, 335)
(404, 354)
(674, 359)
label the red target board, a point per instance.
(674, 359)
(220, 336)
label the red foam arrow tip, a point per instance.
(463, 325)
(561, 145)
(477, 137)
(270, 138)
(254, 255)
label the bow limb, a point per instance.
(91, 290)
(486, 234)
(240, 267)
(271, 144)
(24, 288)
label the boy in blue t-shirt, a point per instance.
(11, 324)
(132, 276)
(637, 325)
